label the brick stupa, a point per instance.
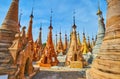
(7, 34)
(107, 63)
(74, 55)
(49, 57)
(100, 34)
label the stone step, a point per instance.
(7, 69)
(4, 61)
(5, 41)
(3, 49)
(5, 45)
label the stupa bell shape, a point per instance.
(11, 20)
(107, 63)
(100, 34)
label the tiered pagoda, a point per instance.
(100, 34)
(60, 47)
(15, 48)
(8, 30)
(84, 47)
(78, 41)
(92, 43)
(107, 63)
(89, 45)
(38, 48)
(66, 44)
(74, 55)
(49, 57)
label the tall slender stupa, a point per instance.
(38, 47)
(78, 41)
(74, 56)
(49, 57)
(84, 47)
(107, 63)
(7, 33)
(100, 34)
(60, 48)
(66, 44)
(29, 32)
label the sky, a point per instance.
(62, 16)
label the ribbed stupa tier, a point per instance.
(100, 34)
(107, 63)
(11, 20)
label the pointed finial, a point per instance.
(32, 13)
(65, 33)
(83, 31)
(20, 18)
(41, 26)
(92, 37)
(99, 11)
(74, 26)
(74, 17)
(51, 18)
(60, 30)
(50, 27)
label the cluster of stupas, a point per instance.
(18, 49)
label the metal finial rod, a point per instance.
(99, 4)
(20, 15)
(74, 16)
(51, 17)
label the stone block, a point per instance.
(76, 64)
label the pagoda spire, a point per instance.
(60, 48)
(93, 42)
(107, 63)
(73, 53)
(40, 36)
(101, 32)
(11, 20)
(56, 41)
(66, 42)
(19, 24)
(60, 35)
(29, 32)
(74, 25)
(84, 47)
(49, 57)
(50, 27)
(89, 45)
(78, 40)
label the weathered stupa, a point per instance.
(7, 33)
(38, 47)
(74, 55)
(84, 47)
(49, 57)
(78, 41)
(100, 34)
(107, 63)
(66, 44)
(60, 48)
(89, 45)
